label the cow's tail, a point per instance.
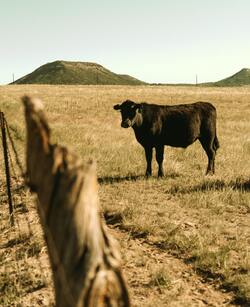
(216, 143)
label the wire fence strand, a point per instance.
(21, 248)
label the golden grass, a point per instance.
(203, 220)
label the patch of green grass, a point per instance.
(160, 279)
(31, 249)
(13, 287)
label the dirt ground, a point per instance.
(154, 277)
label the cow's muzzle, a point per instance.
(126, 123)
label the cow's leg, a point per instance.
(148, 153)
(159, 158)
(207, 145)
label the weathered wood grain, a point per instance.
(84, 258)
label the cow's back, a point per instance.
(177, 126)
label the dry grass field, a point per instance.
(185, 238)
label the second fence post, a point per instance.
(6, 163)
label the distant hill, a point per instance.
(242, 77)
(65, 72)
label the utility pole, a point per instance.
(97, 77)
(97, 82)
(13, 77)
(196, 79)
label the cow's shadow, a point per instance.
(218, 185)
(245, 185)
(117, 179)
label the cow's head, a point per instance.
(130, 112)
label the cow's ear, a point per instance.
(117, 107)
(139, 108)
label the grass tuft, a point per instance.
(160, 279)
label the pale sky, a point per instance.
(168, 41)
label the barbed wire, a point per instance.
(18, 162)
(20, 187)
(41, 213)
(54, 252)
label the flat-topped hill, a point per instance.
(65, 72)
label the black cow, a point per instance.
(177, 126)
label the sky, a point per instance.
(157, 41)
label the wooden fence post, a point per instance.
(84, 258)
(7, 169)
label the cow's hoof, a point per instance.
(209, 173)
